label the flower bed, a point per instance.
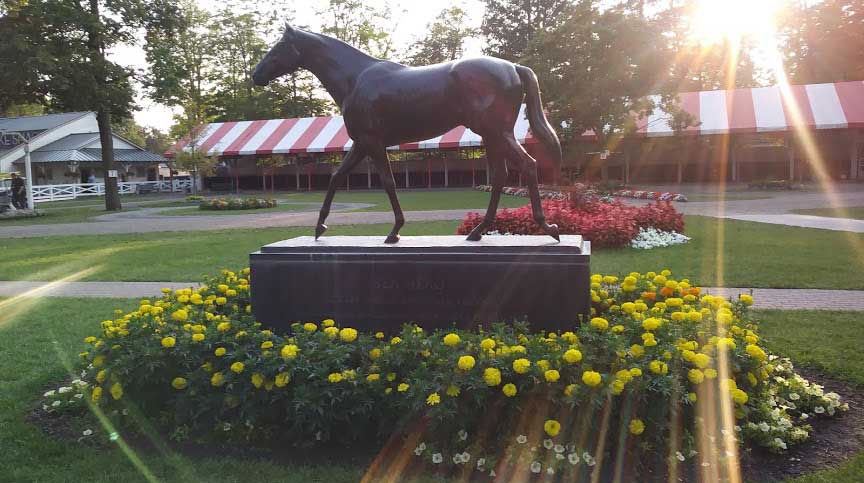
(622, 193)
(605, 224)
(649, 238)
(650, 195)
(633, 382)
(237, 204)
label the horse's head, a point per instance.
(282, 59)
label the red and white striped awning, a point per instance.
(764, 109)
(314, 135)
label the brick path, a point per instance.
(764, 298)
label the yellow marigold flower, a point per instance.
(334, 377)
(310, 327)
(518, 349)
(223, 326)
(694, 316)
(89, 340)
(222, 287)
(648, 339)
(395, 340)
(231, 292)
(116, 391)
(282, 379)
(289, 351)
(658, 367)
(451, 339)
(635, 372)
(96, 394)
(751, 378)
(618, 329)
(492, 376)
(651, 323)
(453, 390)
(509, 389)
(391, 376)
(373, 377)
(165, 290)
(636, 426)
(257, 380)
(402, 387)
(375, 353)
(692, 397)
(617, 386)
(695, 376)
(678, 316)
(600, 323)
(637, 350)
(466, 363)
(179, 383)
(739, 396)
(100, 376)
(551, 375)
(348, 334)
(624, 375)
(267, 344)
(168, 342)
(487, 344)
(570, 337)
(552, 427)
(521, 366)
(328, 322)
(746, 298)
(331, 332)
(756, 352)
(207, 367)
(591, 378)
(180, 315)
(572, 356)
(433, 399)
(568, 391)
(701, 360)
(237, 367)
(197, 337)
(379, 335)
(674, 302)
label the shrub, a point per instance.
(640, 370)
(237, 204)
(605, 224)
(194, 198)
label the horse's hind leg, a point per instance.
(382, 165)
(528, 167)
(354, 156)
(498, 170)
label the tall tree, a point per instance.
(444, 38)
(509, 26)
(359, 24)
(824, 41)
(69, 40)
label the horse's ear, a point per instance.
(289, 32)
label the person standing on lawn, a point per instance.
(18, 192)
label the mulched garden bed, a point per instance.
(831, 442)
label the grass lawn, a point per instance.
(76, 214)
(854, 212)
(723, 253)
(40, 339)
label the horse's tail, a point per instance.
(536, 117)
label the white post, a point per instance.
(28, 172)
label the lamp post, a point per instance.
(28, 170)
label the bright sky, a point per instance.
(411, 17)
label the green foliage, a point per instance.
(444, 39)
(358, 24)
(509, 26)
(237, 204)
(196, 363)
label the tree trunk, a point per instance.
(112, 195)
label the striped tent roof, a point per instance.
(764, 109)
(314, 135)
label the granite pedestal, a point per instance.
(435, 281)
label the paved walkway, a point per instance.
(764, 298)
(774, 210)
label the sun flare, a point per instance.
(719, 21)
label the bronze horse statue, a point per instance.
(385, 103)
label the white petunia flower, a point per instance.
(819, 410)
(547, 443)
(49, 394)
(56, 403)
(794, 396)
(764, 427)
(779, 442)
(466, 457)
(78, 396)
(536, 467)
(550, 471)
(437, 458)
(481, 462)
(559, 448)
(521, 439)
(573, 458)
(559, 456)
(87, 432)
(457, 459)
(63, 390)
(463, 435)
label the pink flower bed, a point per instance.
(605, 224)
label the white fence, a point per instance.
(56, 192)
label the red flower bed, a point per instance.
(605, 224)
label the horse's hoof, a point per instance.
(552, 230)
(393, 238)
(474, 236)
(319, 230)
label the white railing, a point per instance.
(57, 192)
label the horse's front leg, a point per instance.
(382, 165)
(498, 171)
(354, 156)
